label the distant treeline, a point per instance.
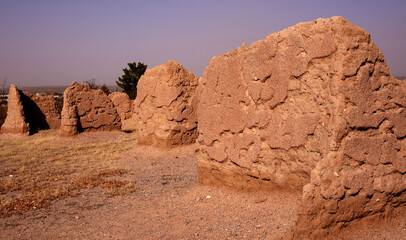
(53, 89)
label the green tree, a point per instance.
(129, 81)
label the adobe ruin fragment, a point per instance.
(123, 104)
(27, 114)
(86, 109)
(311, 108)
(165, 106)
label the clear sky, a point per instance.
(57, 42)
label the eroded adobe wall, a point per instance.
(85, 109)
(165, 106)
(15, 122)
(265, 112)
(49, 108)
(315, 106)
(27, 114)
(365, 176)
(123, 104)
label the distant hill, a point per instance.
(401, 78)
(55, 89)
(45, 89)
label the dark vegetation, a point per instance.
(129, 80)
(93, 85)
(3, 113)
(3, 103)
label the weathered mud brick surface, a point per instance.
(165, 107)
(312, 107)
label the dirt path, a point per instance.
(168, 204)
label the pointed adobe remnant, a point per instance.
(27, 114)
(313, 107)
(85, 109)
(15, 122)
(165, 106)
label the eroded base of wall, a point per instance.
(232, 176)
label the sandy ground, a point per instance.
(170, 204)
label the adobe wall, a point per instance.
(124, 106)
(313, 107)
(85, 110)
(165, 106)
(27, 114)
(15, 122)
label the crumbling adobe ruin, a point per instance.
(123, 104)
(86, 109)
(165, 106)
(26, 113)
(312, 108)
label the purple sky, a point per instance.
(57, 42)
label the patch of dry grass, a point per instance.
(37, 169)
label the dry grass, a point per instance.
(36, 170)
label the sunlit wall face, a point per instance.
(57, 42)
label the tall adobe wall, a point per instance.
(27, 114)
(86, 110)
(165, 106)
(313, 107)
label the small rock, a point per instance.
(260, 200)
(76, 217)
(208, 196)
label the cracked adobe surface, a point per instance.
(313, 107)
(165, 107)
(85, 110)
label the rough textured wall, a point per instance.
(85, 109)
(165, 107)
(15, 122)
(49, 108)
(123, 104)
(27, 114)
(314, 106)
